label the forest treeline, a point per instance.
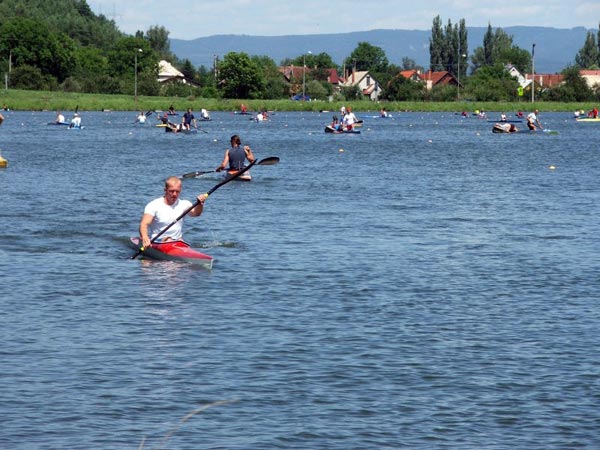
(62, 45)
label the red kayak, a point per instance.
(173, 251)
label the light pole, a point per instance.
(458, 74)
(533, 74)
(304, 75)
(135, 76)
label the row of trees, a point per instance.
(63, 45)
(589, 55)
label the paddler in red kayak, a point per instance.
(235, 158)
(161, 212)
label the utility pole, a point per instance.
(533, 73)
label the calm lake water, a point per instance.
(425, 284)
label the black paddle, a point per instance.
(271, 160)
(197, 173)
(146, 115)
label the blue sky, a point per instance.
(194, 19)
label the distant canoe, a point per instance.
(330, 129)
(184, 131)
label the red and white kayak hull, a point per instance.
(173, 251)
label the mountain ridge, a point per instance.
(555, 48)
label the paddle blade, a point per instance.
(269, 161)
(196, 174)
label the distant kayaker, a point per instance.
(505, 128)
(533, 122)
(335, 124)
(161, 212)
(60, 118)
(235, 157)
(349, 119)
(188, 119)
(75, 121)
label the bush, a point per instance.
(176, 89)
(30, 78)
(71, 85)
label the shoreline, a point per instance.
(20, 100)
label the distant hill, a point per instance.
(554, 48)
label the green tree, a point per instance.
(447, 45)
(205, 77)
(351, 93)
(463, 49)
(29, 42)
(367, 57)
(573, 89)
(400, 88)
(588, 56)
(91, 71)
(410, 64)
(188, 70)
(31, 78)
(498, 48)
(239, 77)
(90, 62)
(73, 18)
(317, 90)
(492, 83)
(321, 61)
(122, 58)
(275, 85)
(436, 46)
(158, 37)
(598, 42)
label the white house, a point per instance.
(365, 82)
(166, 72)
(521, 79)
(591, 77)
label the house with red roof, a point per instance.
(546, 80)
(441, 78)
(592, 77)
(430, 78)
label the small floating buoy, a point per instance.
(341, 150)
(551, 167)
(3, 162)
(430, 141)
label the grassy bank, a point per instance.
(65, 101)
